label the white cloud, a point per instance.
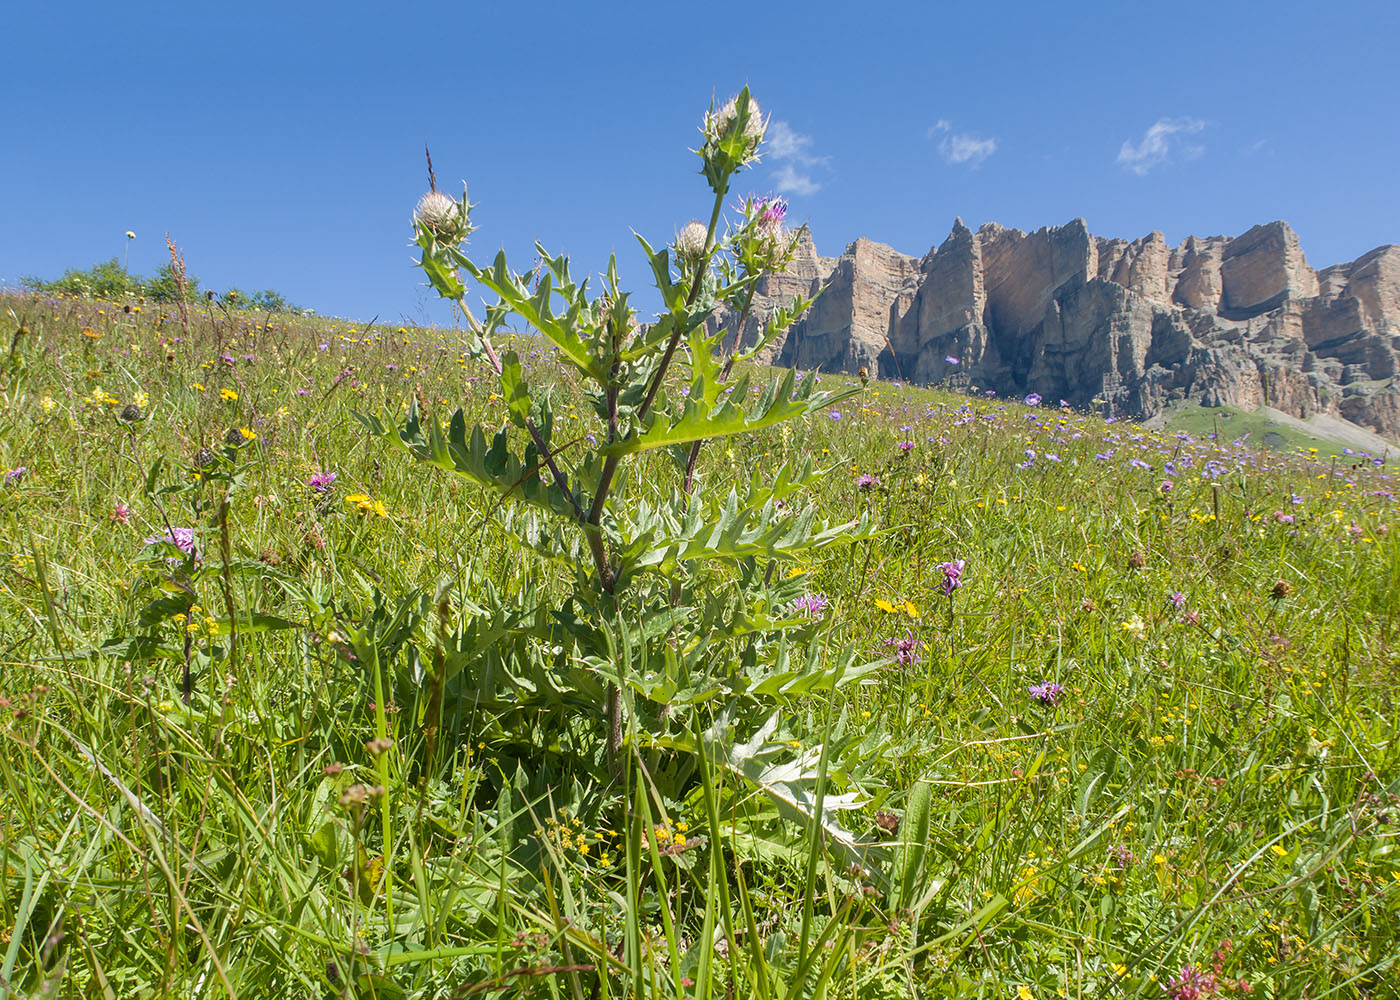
(791, 149)
(789, 181)
(785, 144)
(1158, 143)
(960, 147)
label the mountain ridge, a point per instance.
(1127, 326)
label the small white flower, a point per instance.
(720, 121)
(439, 213)
(690, 241)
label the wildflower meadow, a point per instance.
(568, 652)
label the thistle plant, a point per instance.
(676, 622)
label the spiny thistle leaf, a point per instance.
(535, 308)
(705, 416)
(495, 467)
(792, 786)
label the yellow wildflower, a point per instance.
(367, 504)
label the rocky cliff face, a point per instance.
(1127, 327)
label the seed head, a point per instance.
(690, 241)
(1281, 590)
(441, 215)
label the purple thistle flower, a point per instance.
(906, 649)
(1046, 693)
(771, 211)
(322, 482)
(905, 447)
(867, 482)
(952, 575)
(811, 606)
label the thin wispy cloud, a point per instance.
(1164, 139)
(792, 151)
(789, 180)
(958, 148)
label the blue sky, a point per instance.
(281, 144)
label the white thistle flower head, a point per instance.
(718, 122)
(440, 214)
(690, 241)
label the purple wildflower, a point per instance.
(181, 538)
(952, 360)
(121, 514)
(952, 575)
(835, 414)
(867, 482)
(905, 447)
(1033, 399)
(321, 482)
(771, 211)
(16, 474)
(906, 650)
(811, 606)
(1177, 598)
(1191, 983)
(1046, 693)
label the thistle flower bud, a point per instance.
(718, 123)
(690, 241)
(440, 214)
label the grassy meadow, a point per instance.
(207, 793)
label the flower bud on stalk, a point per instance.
(718, 123)
(442, 216)
(733, 135)
(690, 241)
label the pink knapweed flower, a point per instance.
(181, 538)
(811, 606)
(321, 482)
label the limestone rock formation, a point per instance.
(1128, 327)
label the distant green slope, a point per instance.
(1270, 429)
